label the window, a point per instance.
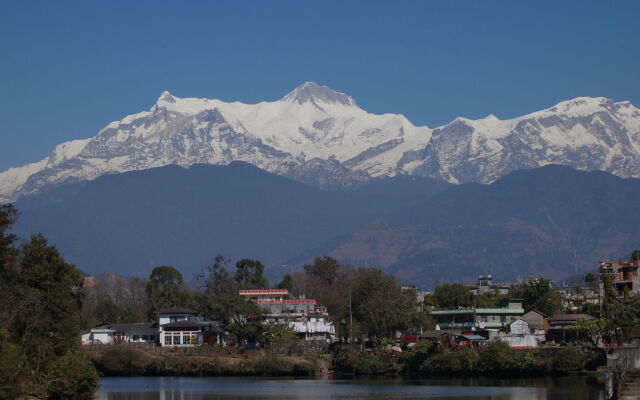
(136, 337)
(152, 337)
(503, 318)
(176, 339)
(145, 337)
(168, 339)
(186, 339)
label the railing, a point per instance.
(166, 350)
(619, 363)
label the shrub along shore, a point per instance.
(422, 360)
(138, 362)
(425, 359)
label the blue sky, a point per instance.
(69, 68)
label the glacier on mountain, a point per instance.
(317, 135)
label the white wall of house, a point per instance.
(99, 336)
(180, 338)
(141, 335)
(168, 318)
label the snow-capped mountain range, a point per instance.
(322, 137)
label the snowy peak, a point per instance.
(320, 136)
(166, 97)
(310, 92)
(582, 105)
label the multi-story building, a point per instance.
(309, 320)
(486, 285)
(574, 298)
(623, 275)
(482, 318)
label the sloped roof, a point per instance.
(212, 325)
(175, 310)
(537, 312)
(567, 318)
(127, 327)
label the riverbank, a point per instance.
(139, 362)
(426, 359)
(421, 361)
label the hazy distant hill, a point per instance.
(422, 230)
(529, 222)
(131, 222)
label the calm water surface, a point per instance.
(356, 389)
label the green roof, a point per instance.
(479, 311)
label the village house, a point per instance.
(485, 285)
(536, 320)
(574, 298)
(309, 320)
(558, 324)
(480, 318)
(173, 327)
(624, 276)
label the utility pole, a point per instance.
(350, 317)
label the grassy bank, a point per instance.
(138, 362)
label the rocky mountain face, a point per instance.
(584, 133)
(322, 137)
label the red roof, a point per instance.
(268, 291)
(284, 301)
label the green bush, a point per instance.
(568, 359)
(413, 357)
(124, 362)
(498, 356)
(454, 361)
(348, 359)
(71, 377)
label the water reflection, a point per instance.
(379, 389)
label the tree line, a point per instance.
(362, 302)
(40, 320)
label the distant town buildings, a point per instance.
(622, 275)
(485, 285)
(309, 320)
(482, 318)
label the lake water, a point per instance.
(174, 388)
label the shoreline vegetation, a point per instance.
(346, 360)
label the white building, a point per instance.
(304, 316)
(174, 327)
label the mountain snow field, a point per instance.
(322, 137)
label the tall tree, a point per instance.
(8, 264)
(286, 283)
(452, 295)
(325, 268)
(250, 274)
(50, 321)
(40, 341)
(538, 294)
(164, 288)
(380, 307)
